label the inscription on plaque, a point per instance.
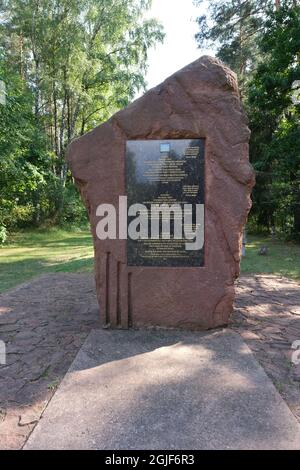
(164, 174)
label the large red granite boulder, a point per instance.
(199, 101)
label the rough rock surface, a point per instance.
(199, 101)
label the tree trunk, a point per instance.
(37, 87)
(82, 126)
(56, 149)
(21, 56)
(74, 119)
(297, 221)
(62, 128)
(68, 116)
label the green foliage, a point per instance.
(275, 123)
(74, 213)
(260, 41)
(233, 27)
(20, 174)
(67, 67)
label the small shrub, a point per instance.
(74, 212)
(22, 216)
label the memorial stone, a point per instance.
(183, 145)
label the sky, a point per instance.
(179, 47)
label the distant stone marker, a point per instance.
(184, 145)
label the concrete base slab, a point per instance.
(166, 390)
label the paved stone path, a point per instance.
(166, 389)
(45, 322)
(267, 315)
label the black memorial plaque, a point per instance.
(164, 172)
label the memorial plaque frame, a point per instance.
(169, 171)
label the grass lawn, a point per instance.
(283, 258)
(32, 253)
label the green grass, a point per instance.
(283, 258)
(32, 253)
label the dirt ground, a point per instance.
(45, 322)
